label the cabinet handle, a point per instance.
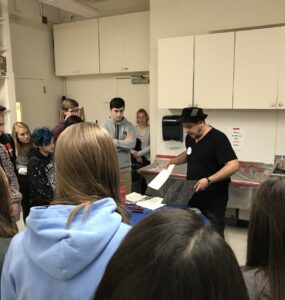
(280, 104)
(273, 105)
(126, 68)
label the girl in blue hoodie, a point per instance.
(66, 246)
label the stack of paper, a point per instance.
(133, 198)
(152, 203)
(160, 179)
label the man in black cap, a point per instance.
(211, 160)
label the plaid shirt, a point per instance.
(8, 168)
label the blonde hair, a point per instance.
(21, 149)
(86, 168)
(7, 228)
(66, 105)
(143, 111)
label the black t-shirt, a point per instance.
(204, 159)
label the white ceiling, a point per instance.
(99, 8)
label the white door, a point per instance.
(31, 94)
(136, 96)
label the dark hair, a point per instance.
(266, 236)
(172, 254)
(2, 108)
(42, 136)
(73, 119)
(7, 228)
(117, 103)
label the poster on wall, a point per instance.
(236, 137)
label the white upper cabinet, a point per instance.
(281, 74)
(214, 65)
(256, 68)
(76, 48)
(124, 43)
(175, 72)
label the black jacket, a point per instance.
(41, 177)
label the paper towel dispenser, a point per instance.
(172, 129)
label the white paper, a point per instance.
(133, 197)
(152, 203)
(160, 179)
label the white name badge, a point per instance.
(189, 150)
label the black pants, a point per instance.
(24, 190)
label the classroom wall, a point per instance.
(36, 86)
(263, 129)
(94, 93)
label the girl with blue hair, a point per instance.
(41, 168)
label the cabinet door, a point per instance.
(175, 72)
(281, 74)
(124, 43)
(112, 44)
(137, 44)
(76, 48)
(256, 68)
(213, 76)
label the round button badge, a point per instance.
(189, 150)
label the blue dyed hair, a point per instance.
(42, 136)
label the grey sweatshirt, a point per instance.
(118, 132)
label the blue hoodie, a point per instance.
(50, 261)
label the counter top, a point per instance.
(249, 174)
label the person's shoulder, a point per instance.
(218, 134)
(128, 123)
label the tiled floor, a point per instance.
(235, 236)
(237, 239)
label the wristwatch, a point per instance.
(209, 180)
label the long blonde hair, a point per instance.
(21, 149)
(86, 167)
(7, 228)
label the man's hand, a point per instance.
(201, 185)
(135, 154)
(129, 137)
(170, 162)
(139, 159)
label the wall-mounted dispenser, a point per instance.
(171, 128)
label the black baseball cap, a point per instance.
(192, 115)
(2, 108)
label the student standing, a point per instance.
(16, 196)
(6, 139)
(23, 142)
(264, 272)
(211, 160)
(141, 152)
(41, 168)
(7, 228)
(69, 107)
(172, 255)
(124, 138)
(65, 248)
